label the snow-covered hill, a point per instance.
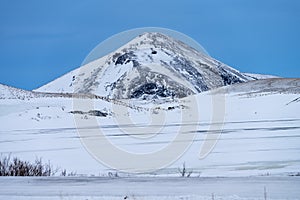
(7, 92)
(150, 66)
(259, 76)
(263, 86)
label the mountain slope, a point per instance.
(263, 86)
(259, 76)
(8, 92)
(152, 65)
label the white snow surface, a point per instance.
(101, 188)
(260, 132)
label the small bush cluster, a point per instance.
(64, 173)
(183, 171)
(17, 167)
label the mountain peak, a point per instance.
(152, 34)
(160, 41)
(157, 36)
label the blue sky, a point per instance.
(41, 40)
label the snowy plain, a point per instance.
(260, 134)
(95, 188)
(258, 146)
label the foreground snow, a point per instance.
(251, 188)
(260, 133)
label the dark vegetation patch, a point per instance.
(17, 167)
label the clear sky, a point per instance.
(41, 40)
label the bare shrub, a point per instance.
(65, 173)
(113, 175)
(17, 167)
(183, 171)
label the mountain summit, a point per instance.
(152, 65)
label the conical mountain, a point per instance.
(152, 65)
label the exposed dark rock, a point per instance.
(229, 78)
(96, 113)
(181, 64)
(77, 112)
(171, 108)
(151, 89)
(125, 58)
